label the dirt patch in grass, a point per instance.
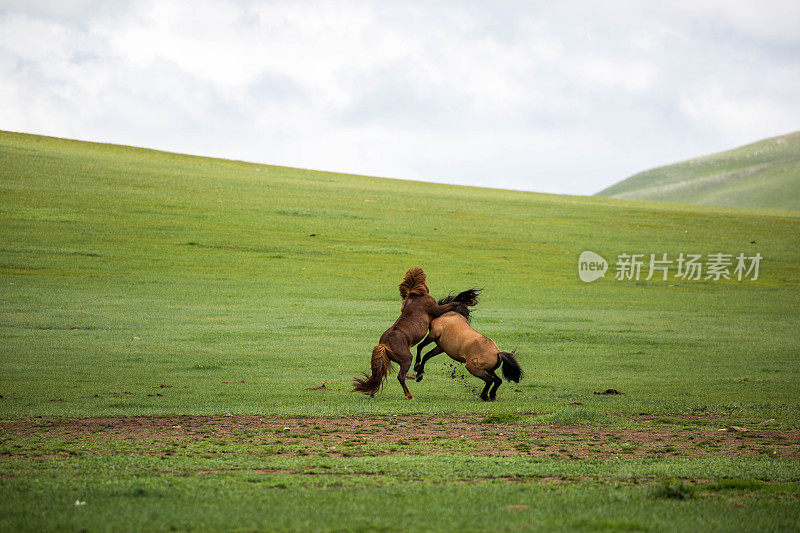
(398, 434)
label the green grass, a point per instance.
(237, 488)
(762, 174)
(125, 269)
(673, 489)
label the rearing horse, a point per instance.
(419, 308)
(454, 336)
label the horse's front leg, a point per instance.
(421, 371)
(426, 341)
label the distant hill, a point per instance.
(762, 174)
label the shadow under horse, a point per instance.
(454, 336)
(418, 309)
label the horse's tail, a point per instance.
(380, 367)
(511, 369)
(414, 283)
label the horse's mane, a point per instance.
(414, 283)
(469, 295)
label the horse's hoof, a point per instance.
(419, 377)
(484, 398)
(409, 397)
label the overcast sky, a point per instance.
(564, 97)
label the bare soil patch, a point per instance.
(417, 434)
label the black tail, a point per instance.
(467, 297)
(511, 368)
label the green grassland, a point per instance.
(396, 493)
(270, 479)
(762, 174)
(238, 287)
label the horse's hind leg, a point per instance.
(496, 381)
(404, 358)
(476, 368)
(485, 394)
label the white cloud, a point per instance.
(765, 19)
(565, 97)
(737, 117)
(629, 75)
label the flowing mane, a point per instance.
(467, 297)
(414, 283)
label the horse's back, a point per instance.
(412, 324)
(458, 339)
(449, 322)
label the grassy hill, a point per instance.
(762, 174)
(135, 282)
(123, 269)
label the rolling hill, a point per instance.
(122, 268)
(208, 316)
(763, 174)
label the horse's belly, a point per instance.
(457, 357)
(452, 347)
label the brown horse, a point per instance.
(454, 336)
(418, 309)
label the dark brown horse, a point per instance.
(454, 336)
(418, 309)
